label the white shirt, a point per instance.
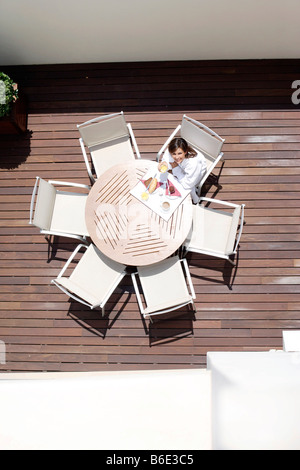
(189, 172)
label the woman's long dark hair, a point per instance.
(181, 143)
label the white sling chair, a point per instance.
(202, 139)
(93, 280)
(57, 212)
(110, 140)
(164, 286)
(214, 231)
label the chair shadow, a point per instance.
(92, 320)
(171, 327)
(212, 180)
(14, 150)
(58, 244)
(227, 269)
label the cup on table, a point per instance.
(163, 168)
(145, 196)
(165, 205)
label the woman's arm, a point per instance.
(173, 164)
(193, 168)
(167, 159)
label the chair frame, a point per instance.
(32, 205)
(170, 309)
(234, 251)
(82, 144)
(203, 127)
(79, 299)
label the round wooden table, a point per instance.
(125, 229)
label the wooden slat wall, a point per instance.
(246, 102)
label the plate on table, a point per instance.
(147, 182)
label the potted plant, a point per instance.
(13, 115)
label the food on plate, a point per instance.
(147, 182)
(145, 196)
(171, 189)
(153, 185)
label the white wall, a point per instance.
(143, 410)
(244, 400)
(73, 31)
(255, 400)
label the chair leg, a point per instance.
(183, 251)
(179, 252)
(231, 261)
(52, 246)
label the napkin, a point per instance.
(168, 193)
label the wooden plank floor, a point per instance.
(246, 102)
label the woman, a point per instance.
(186, 164)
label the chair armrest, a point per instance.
(66, 183)
(71, 258)
(138, 296)
(241, 228)
(134, 141)
(211, 169)
(188, 276)
(114, 286)
(70, 294)
(64, 234)
(218, 201)
(32, 199)
(167, 142)
(86, 160)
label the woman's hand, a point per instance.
(163, 166)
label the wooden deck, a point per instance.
(246, 102)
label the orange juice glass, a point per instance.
(163, 168)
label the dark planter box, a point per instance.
(16, 122)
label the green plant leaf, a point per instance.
(8, 94)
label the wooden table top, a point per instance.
(125, 229)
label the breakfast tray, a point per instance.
(161, 194)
